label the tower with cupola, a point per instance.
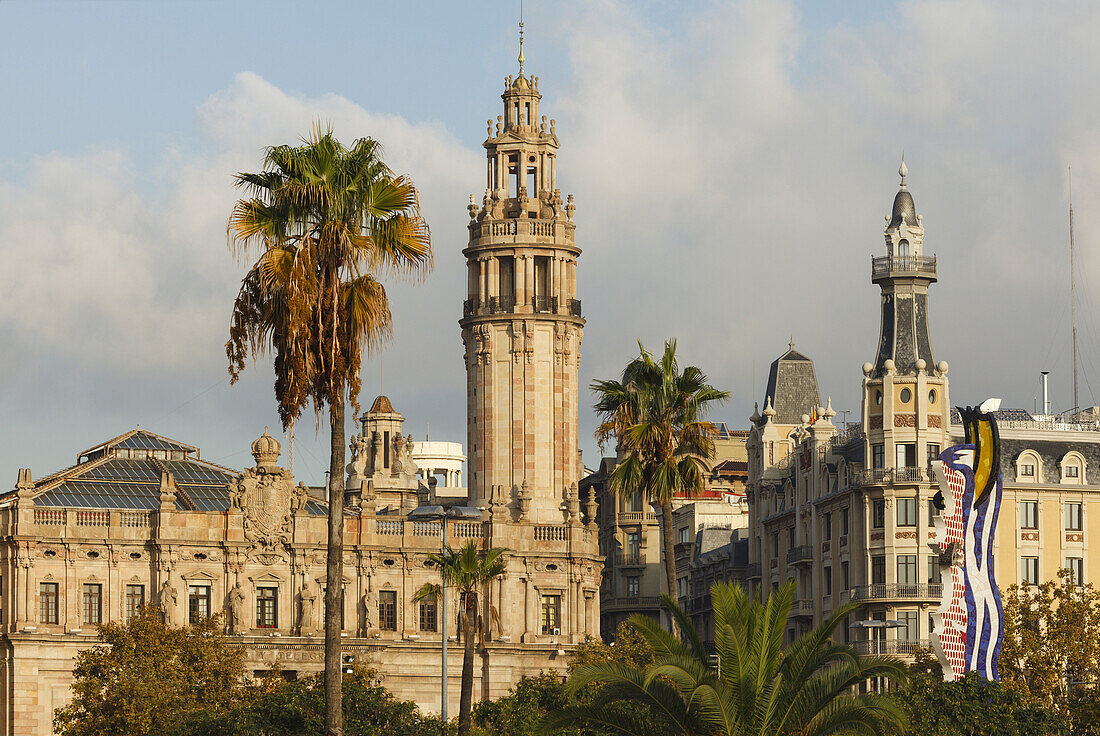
(521, 320)
(906, 410)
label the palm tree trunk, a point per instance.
(670, 557)
(469, 626)
(334, 575)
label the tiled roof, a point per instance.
(382, 405)
(792, 386)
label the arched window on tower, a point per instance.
(903, 249)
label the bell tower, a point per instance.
(521, 320)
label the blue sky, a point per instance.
(732, 163)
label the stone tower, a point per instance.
(521, 321)
(905, 400)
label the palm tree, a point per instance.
(751, 687)
(468, 571)
(326, 219)
(655, 414)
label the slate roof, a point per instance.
(124, 473)
(792, 386)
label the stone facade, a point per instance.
(142, 519)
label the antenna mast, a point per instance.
(1073, 290)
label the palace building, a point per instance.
(143, 520)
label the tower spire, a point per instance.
(520, 38)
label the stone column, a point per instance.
(530, 604)
(482, 286)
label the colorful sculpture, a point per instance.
(969, 624)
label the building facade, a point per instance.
(847, 512)
(143, 520)
(630, 531)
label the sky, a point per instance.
(732, 164)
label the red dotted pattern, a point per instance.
(953, 635)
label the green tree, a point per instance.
(1051, 650)
(144, 677)
(273, 706)
(656, 415)
(521, 712)
(970, 706)
(753, 687)
(325, 219)
(468, 571)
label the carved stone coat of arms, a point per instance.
(267, 500)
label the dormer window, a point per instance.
(1073, 468)
(1029, 467)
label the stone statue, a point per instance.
(397, 462)
(237, 623)
(496, 630)
(359, 456)
(168, 603)
(376, 451)
(309, 598)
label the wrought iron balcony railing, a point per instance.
(897, 591)
(886, 265)
(805, 553)
(544, 303)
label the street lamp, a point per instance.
(438, 513)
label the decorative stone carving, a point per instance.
(497, 504)
(309, 598)
(591, 506)
(572, 504)
(237, 624)
(523, 500)
(359, 448)
(266, 497)
(167, 601)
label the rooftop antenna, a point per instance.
(520, 38)
(1073, 290)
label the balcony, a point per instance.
(886, 266)
(753, 571)
(800, 555)
(575, 307)
(632, 603)
(544, 304)
(897, 592)
(861, 477)
(903, 647)
(635, 517)
(803, 608)
(469, 307)
(632, 559)
(502, 304)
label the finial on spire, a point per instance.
(520, 38)
(903, 170)
(791, 343)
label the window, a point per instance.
(1073, 517)
(908, 630)
(1029, 570)
(683, 535)
(844, 521)
(1029, 514)
(636, 501)
(905, 455)
(878, 569)
(935, 573)
(198, 603)
(429, 613)
(828, 575)
(933, 512)
(906, 394)
(907, 569)
(47, 603)
(633, 545)
(847, 630)
(878, 456)
(1072, 471)
(135, 600)
(790, 539)
(933, 452)
(681, 587)
(267, 604)
(551, 614)
(633, 585)
(1027, 470)
(907, 511)
(844, 576)
(1077, 567)
(387, 610)
(93, 603)
(775, 544)
(828, 526)
(878, 513)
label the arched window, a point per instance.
(903, 248)
(1029, 467)
(1073, 468)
